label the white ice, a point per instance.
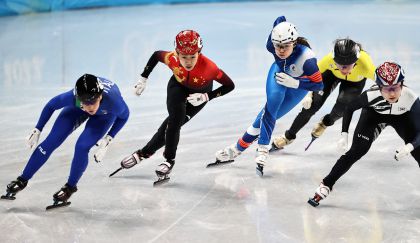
(42, 55)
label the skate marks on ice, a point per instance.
(181, 218)
(372, 216)
(253, 197)
(112, 216)
(137, 175)
(364, 226)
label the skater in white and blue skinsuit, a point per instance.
(293, 73)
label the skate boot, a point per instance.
(131, 160)
(163, 171)
(280, 143)
(226, 155)
(62, 196)
(14, 187)
(261, 158)
(321, 193)
(318, 130)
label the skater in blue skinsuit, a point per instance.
(293, 73)
(94, 100)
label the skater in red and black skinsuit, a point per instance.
(189, 89)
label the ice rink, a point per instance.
(42, 55)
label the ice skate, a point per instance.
(317, 131)
(225, 156)
(131, 160)
(62, 196)
(163, 171)
(321, 193)
(280, 142)
(262, 157)
(14, 187)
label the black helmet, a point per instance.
(346, 51)
(88, 88)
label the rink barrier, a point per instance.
(16, 7)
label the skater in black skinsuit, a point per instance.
(347, 66)
(390, 103)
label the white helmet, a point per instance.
(283, 33)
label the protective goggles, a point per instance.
(89, 101)
(391, 88)
(341, 67)
(283, 46)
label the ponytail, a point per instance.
(303, 41)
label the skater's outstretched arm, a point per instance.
(157, 56)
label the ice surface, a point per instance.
(42, 55)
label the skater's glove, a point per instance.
(32, 138)
(343, 143)
(197, 99)
(140, 86)
(403, 151)
(307, 101)
(103, 145)
(286, 80)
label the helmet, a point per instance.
(389, 73)
(188, 42)
(88, 88)
(283, 33)
(346, 51)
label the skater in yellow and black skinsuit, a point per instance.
(347, 65)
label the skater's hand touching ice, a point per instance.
(197, 99)
(32, 138)
(102, 148)
(342, 144)
(403, 151)
(140, 86)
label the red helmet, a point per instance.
(188, 42)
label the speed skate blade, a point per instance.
(310, 143)
(161, 181)
(260, 171)
(8, 197)
(313, 202)
(58, 205)
(115, 172)
(219, 163)
(274, 148)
